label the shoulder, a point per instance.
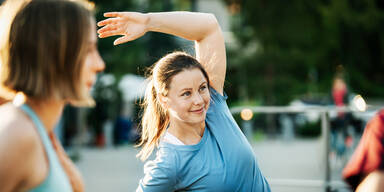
(166, 159)
(160, 173)
(19, 144)
(165, 163)
(18, 138)
(16, 127)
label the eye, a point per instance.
(202, 88)
(187, 93)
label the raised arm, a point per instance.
(202, 28)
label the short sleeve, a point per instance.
(216, 96)
(159, 174)
(218, 101)
(369, 154)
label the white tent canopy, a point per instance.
(132, 87)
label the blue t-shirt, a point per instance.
(222, 161)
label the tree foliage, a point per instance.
(290, 48)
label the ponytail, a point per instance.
(154, 122)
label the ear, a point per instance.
(163, 100)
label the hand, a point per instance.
(131, 25)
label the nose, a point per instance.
(198, 99)
(99, 64)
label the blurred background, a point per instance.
(303, 78)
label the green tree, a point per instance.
(288, 48)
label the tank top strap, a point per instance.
(56, 179)
(40, 129)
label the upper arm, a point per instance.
(210, 52)
(160, 175)
(17, 154)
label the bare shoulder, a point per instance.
(19, 144)
(16, 124)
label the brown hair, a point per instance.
(155, 119)
(47, 47)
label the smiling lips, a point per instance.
(198, 111)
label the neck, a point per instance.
(49, 111)
(188, 133)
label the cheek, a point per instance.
(207, 98)
(180, 106)
(86, 67)
(183, 105)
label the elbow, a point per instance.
(213, 23)
(211, 27)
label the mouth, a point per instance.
(198, 111)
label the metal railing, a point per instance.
(324, 112)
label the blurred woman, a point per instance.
(200, 146)
(52, 59)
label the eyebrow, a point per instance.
(185, 89)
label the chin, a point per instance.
(198, 120)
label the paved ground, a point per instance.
(289, 167)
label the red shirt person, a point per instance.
(369, 155)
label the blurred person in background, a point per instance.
(339, 123)
(51, 58)
(365, 169)
(343, 124)
(199, 145)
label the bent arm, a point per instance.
(204, 30)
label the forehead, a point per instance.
(93, 34)
(189, 78)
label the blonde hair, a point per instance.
(155, 118)
(46, 50)
(8, 11)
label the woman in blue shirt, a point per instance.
(200, 146)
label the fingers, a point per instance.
(121, 40)
(108, 21)
(113, 14)
(109, 33)
(107, 28)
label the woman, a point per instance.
(53, 60)
(200, 146)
